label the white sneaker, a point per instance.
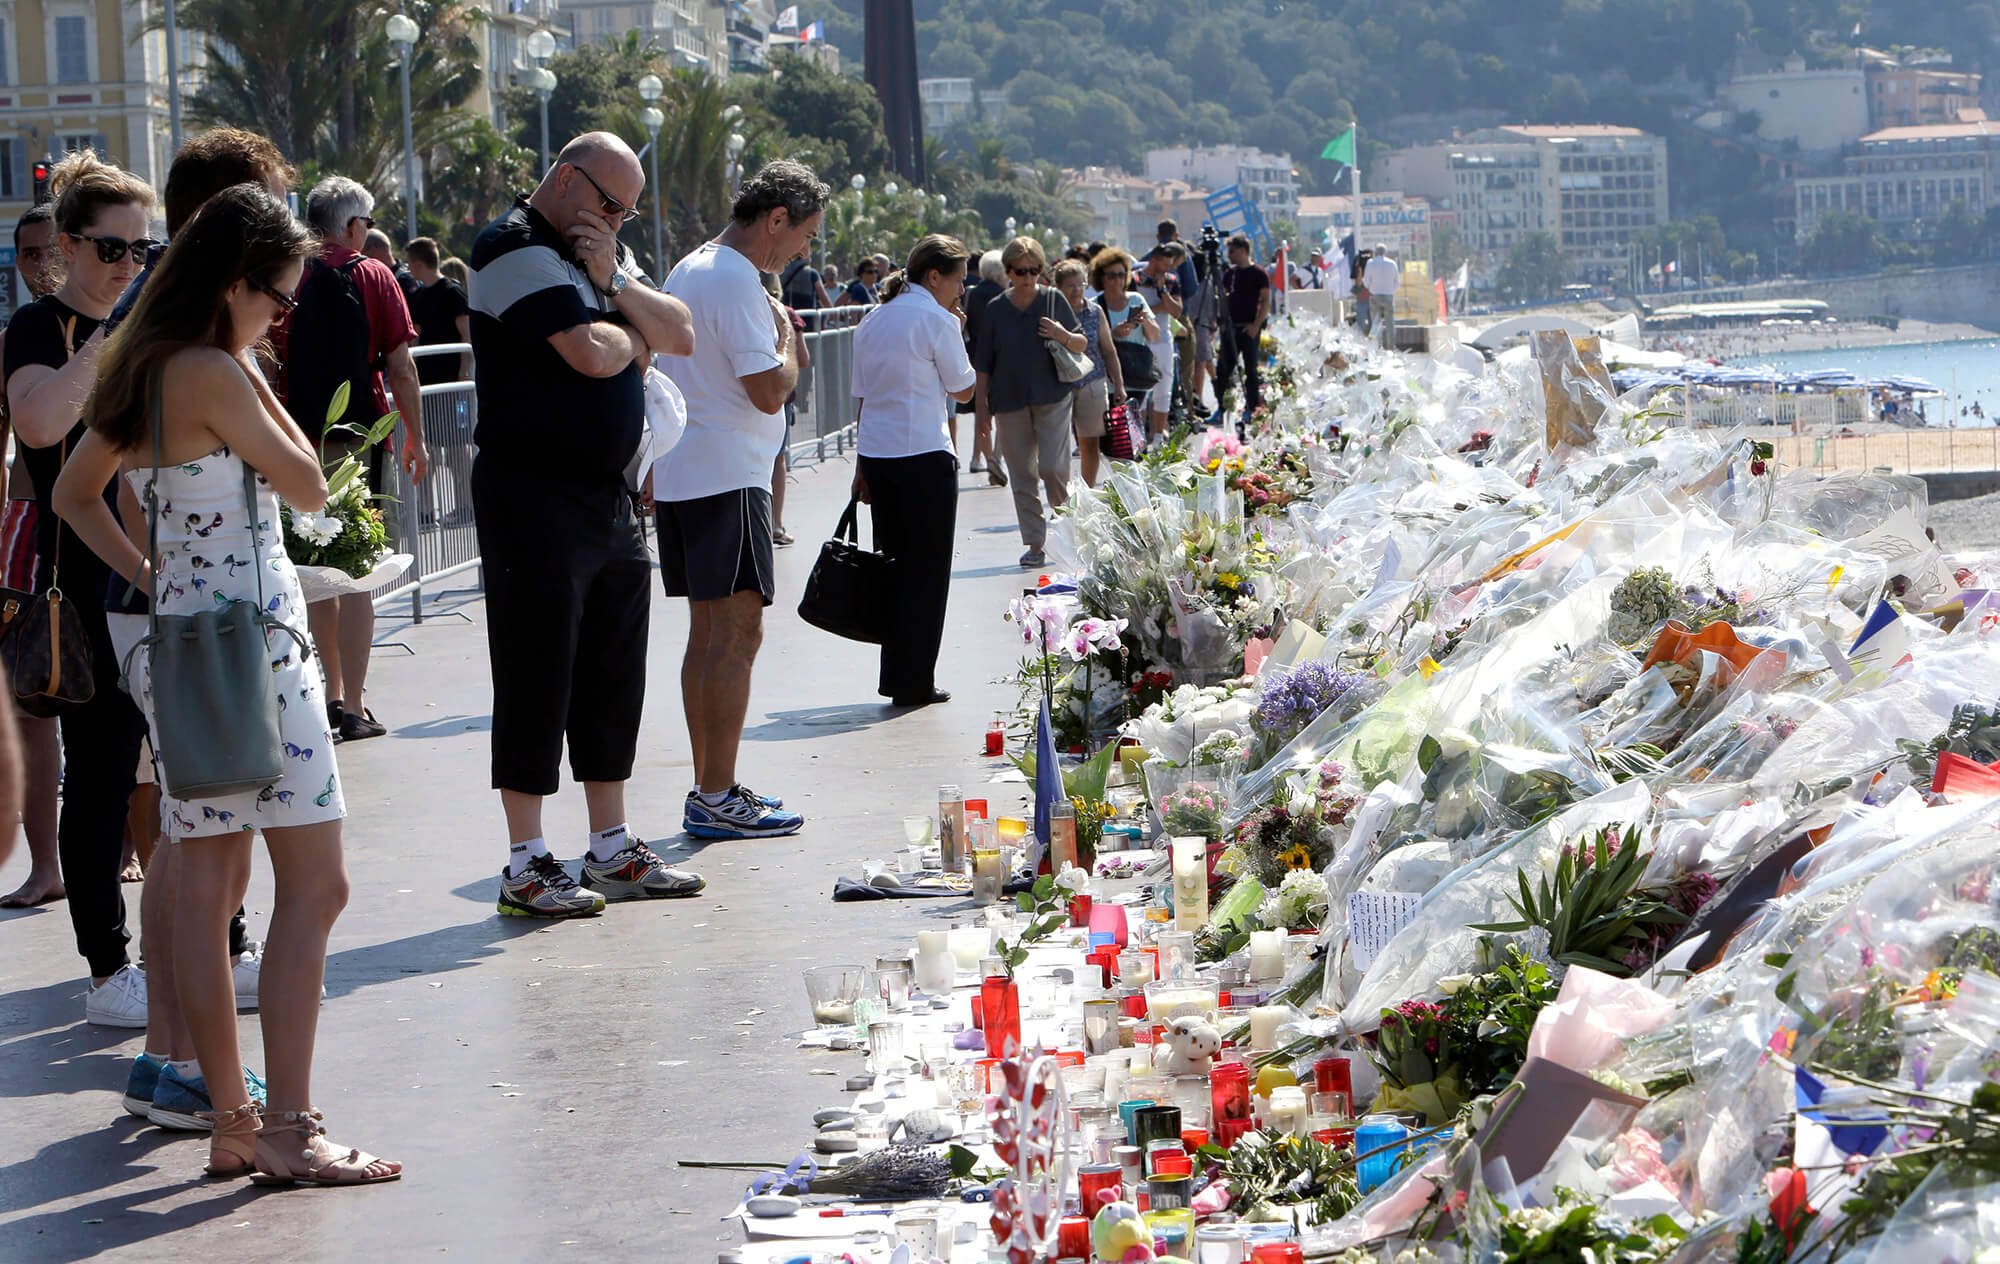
(245, 974)
(119, 1001)
(249, 968)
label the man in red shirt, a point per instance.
(324, 346)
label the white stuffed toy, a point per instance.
(1193, 1044)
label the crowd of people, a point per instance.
(164, 396)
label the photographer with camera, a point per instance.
(1158, 283)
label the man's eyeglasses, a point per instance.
(286, 303)
(611, 205)
(367, 221)
(112, 249)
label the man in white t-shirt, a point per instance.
(713, 491)
(1382, 278)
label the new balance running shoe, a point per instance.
(637, 873)
(738, 816)
(545, 889)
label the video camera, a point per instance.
(1209, 261)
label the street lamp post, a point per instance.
(403, 34)
(173, 81)
(650, 118)
(735, 146)
(541, 47)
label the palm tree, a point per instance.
(990, 161)
(280, 78)
(322, 82)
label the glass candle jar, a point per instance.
(1229, 1094)
(989, 874)
(1135, 968)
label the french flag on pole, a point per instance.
(817, 31)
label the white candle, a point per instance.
(933, 941)
(969, 944)
(1190, 883)
(1264, 1023)
(1287, 1110)
(1267, 954)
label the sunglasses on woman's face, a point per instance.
(112, 249)
(1025, 271)
(286, 303)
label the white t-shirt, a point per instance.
(909, 355)
(730, 444)
(1382, 277)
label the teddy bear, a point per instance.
(1192, 1045)
(1119, 1235)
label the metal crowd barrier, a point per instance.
(826, 412)
(434, 521)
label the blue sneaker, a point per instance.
(141, 1084)
(768, 800)
(177, 1101)
(738, 816)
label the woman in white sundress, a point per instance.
(188, 345)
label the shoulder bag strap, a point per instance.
(55, 558)
(153, 520)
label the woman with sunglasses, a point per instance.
(1018, 388)
(183, 362)
(52, 346)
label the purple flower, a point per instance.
(1292, 699)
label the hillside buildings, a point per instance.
(1590, 186)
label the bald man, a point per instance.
(377, 246)
(563, 326)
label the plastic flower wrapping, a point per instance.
(1643, 793)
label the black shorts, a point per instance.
(714, 547)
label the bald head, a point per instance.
(376, 246)
(594, 167)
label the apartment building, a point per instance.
(697, 34)
(1266, 179)
(79, 74)
(1591, 186)
(1913, 91)
(1905, 177)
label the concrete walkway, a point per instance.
(539, 1081)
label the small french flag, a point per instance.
(817, 31)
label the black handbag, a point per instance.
(849, 591)
(43, 639)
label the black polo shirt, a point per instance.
(536, 413)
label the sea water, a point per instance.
(1975, 361)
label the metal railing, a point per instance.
(434, 522)
(826, 412)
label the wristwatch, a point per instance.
(617, 286)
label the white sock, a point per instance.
(519, 854)
(712, 800)
(606, 843)
(189, 1070)
(160, 1058)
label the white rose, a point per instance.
(1451, 983)
(1073, 879)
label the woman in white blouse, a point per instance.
(909, 365)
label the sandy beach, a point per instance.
(1753, 340)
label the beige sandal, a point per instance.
(318, 1161)
(232, 1147)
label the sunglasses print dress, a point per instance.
(208, 558)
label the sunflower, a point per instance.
(1299, 856)
(1228, 579)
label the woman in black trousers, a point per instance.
(909, 365)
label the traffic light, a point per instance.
(41, 181)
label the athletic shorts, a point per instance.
(714, 547)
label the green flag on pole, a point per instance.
(1340, 148)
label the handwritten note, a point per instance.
(1373, 918)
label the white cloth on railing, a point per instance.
(666, 422)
